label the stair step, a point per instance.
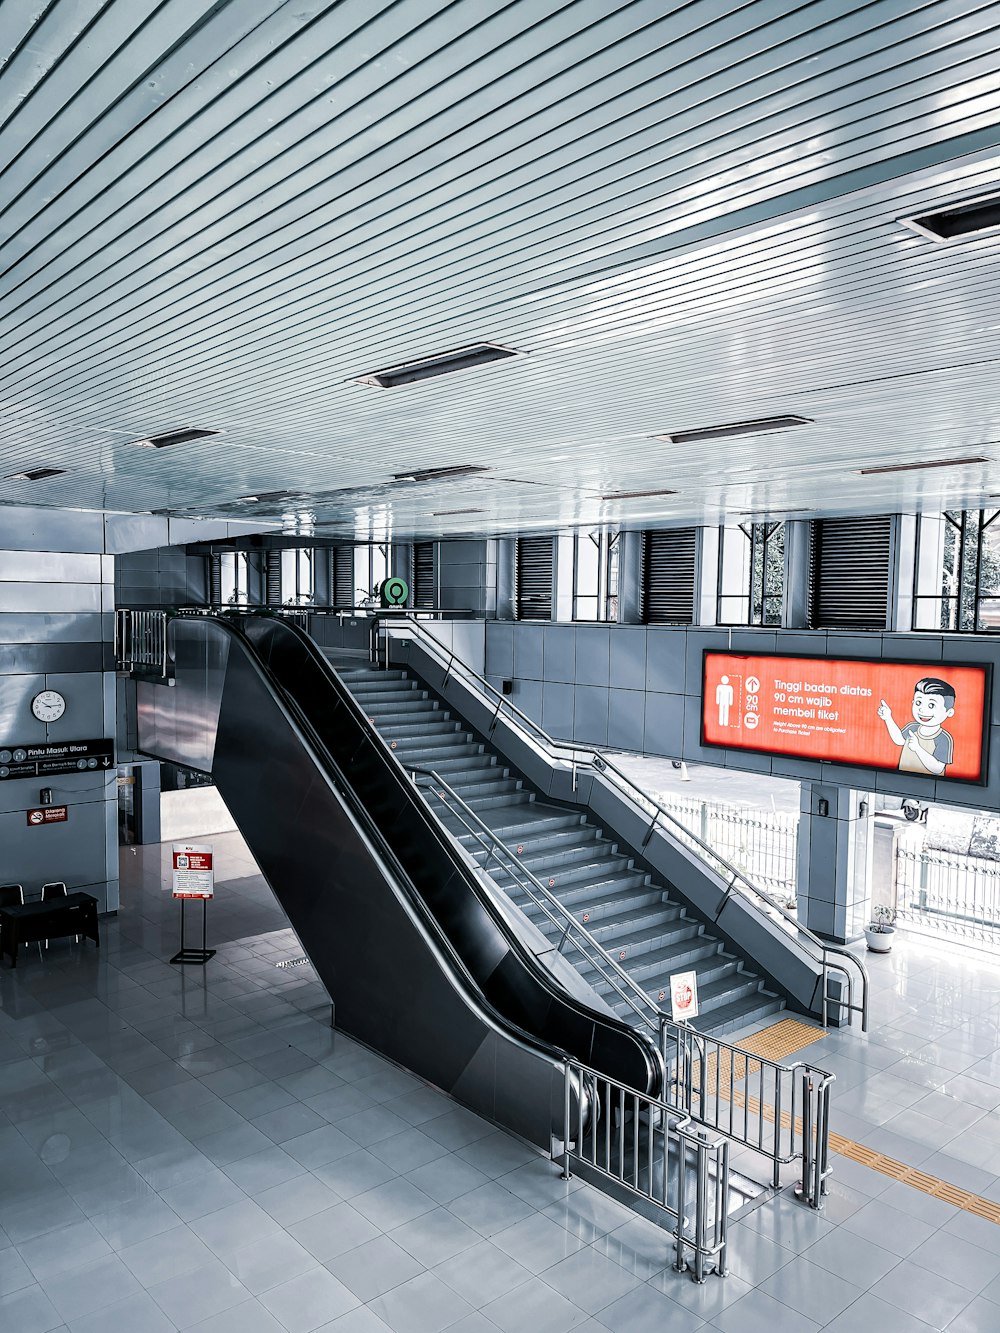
(419, 702)
(739, 1014)
(653, 968)
(549, 861)
(407, 730)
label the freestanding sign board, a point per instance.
(193, 877)
(194, 871)
(683, 996)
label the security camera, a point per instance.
(913, 810)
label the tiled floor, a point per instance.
(188, 1149)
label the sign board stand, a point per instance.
(202, 955)
(194, 877)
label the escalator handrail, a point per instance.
(541, 975)
(827, 956)
(428, 924)
(636, 998)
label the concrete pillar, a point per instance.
(836, 843)
(706, 588)
(798, 557)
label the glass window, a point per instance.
(595, 576)
(751, 574)
(234, 574)
(956, 583)
(371, 567)
(297, 576)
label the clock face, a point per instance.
(48, 706)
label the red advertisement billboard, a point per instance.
(923, 718)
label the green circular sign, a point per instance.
(394, 591)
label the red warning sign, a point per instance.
(49, 814)
(684, 996)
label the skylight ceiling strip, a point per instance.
(751, 386)
(206, 361)
(369, 73)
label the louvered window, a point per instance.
(272, 578)
(342, 575)
(424, 591)
(668, 572)
(849, 573)
(215, 579)
(533, 578)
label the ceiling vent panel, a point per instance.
(37, 474)
(963, 222)
(441, 473)
(430, 367)
(916, 467)
(733, 428)
(171, 437)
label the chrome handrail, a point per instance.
(578, 756)
(637, 999)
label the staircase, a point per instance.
(637, 920)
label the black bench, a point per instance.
(75, 914)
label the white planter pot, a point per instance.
(880, 941)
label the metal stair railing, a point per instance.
(779, 1111)
(555, 912)
(832, 960)
(641, 1144)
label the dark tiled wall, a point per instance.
(637, 687)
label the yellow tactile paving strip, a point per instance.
(786, 1038)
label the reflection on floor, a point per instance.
(188, 1148)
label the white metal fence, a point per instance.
(948, 892)
(761, 843)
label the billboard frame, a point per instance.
(985, 667)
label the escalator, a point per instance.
(421, 961)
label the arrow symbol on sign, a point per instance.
(105, 762)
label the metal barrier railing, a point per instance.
(778, 1111)
(643, 1146)
(141, 641)
(835, 963)
(763, 843)
(948, 892)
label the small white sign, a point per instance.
(194, 870)
(684, 996)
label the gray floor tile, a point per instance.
(425, 1304)
(958, 1261)
(482, 1273)
(375, 1267)
(869, 1313)
(234, 1227)
(408, 1150)
(288, 1122)
(320, 1145)
(590, 1280)
(537, 1242)
(392, 1204)
(166, 1256)
(197, 1295)
(435, 1236)
(69, 1247)
(83, 1290)
(844, 1252)
(333, 1231)
(249, 1317)
(447, 1178)
(269, 1262)
(372, 1125)
(534, 1305)
(759, 1313)
(307, 1302)
(885, 1225)
(28, 1310)
(490, 1209)
(260, 1171)
(925, 1295)
(206, 1193)
(979, 1316)
(137, 1314)
(646, 1310)
(296, 1199)
(233, 1145)
(354, 1173)
(811, 1290)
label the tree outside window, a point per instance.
(595, 576)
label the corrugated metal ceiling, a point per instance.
(683, 214)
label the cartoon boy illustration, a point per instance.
(926, 747)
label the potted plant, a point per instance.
(880, 931)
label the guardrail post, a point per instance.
(679, 1263)
(722, 1210)
(565, 1175)
(700, 1210)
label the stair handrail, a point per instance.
(831, 958)
(543, 898)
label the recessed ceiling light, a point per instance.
(732, 428)
(766, 513)
(247, 500)
(447, 513)
(429, 367)
(441, 473)
(171, 437)
(961, 222)
(635, 495)
(36, 474)
(916, 467)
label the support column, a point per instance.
(836, 841)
